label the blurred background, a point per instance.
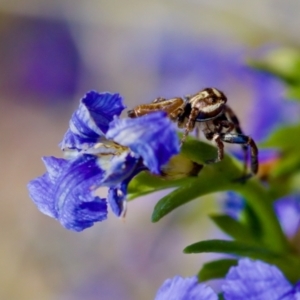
(51, 53)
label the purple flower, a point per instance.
(179, 288)
(257, 280)
(253, 280)
(101, 150)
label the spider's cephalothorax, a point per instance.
(207, 109)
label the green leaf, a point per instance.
(212, 178)
(190, 191)
(215, 177)
(284, 138)
(234, 228)
(216, 269)
(289, 264)
(145, 183)
(293, 92)
(250, 219)
(233, 248)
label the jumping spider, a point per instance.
(207, 107)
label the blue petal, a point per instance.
(103, 107)
(255, 280)
(179, 288)
(54, 166)
(92, 118)
(41, 192)
(152, 136)
(74, 141)
(65, 192)
(120, 168)
(118, 189)
(117, 199)
(233, 204)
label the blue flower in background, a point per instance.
(179, 288)
(257, 280)
(250, 279)
(41, 59)
(232, 204)
(288, 212)
(101, 150)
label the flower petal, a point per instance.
(65, 191)
(103, 107)
(76, 141)
(152, 136)
(179, 288)
(92, 118)
(41, 194)
(117, 199)
(122, 170)
(255, 280)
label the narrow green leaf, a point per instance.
(145, 183)
(233, 248)
(216, 269)
(234, 228)
(207, 182)
(250, 220)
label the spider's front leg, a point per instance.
(246, 141)
(192, 114)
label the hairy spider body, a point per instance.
(208, 110)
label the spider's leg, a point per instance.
(190, 124)
(246, 141)
(216, 138)
(235, 121)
